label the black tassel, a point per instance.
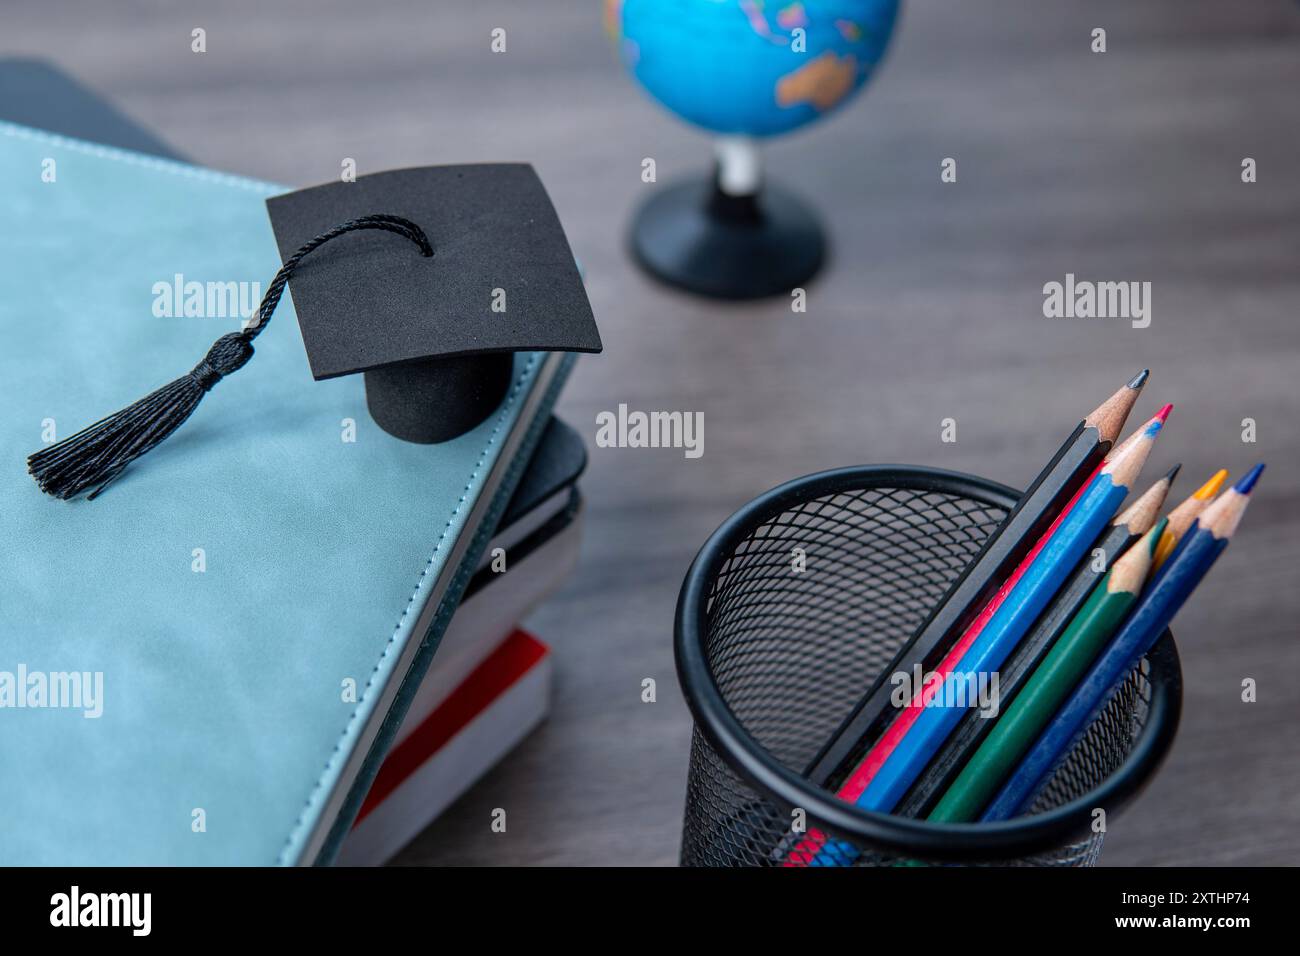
(96, 455)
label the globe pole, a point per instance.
(739, 165)
(731, 235)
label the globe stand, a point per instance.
(729, 237)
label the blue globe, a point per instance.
(751, 67)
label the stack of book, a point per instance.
(488, 684)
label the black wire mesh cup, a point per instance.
(771, 660)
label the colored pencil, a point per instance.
(1070, 469)
(1070, 542)
(1181, 517)
(1160, 601)
(1016, 729)
(806, 852)
(1130, 525)
(857, 781)
(1080, 527)
(987, 581)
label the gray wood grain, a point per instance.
(1116, 166)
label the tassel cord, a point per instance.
(98, 454)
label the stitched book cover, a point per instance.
(204, 664)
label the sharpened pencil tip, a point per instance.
(1172, 473)
(1247, 482)
(1163, 414)
(1211, 487)
(1140, 378)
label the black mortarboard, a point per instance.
(435, 336)
(435, 332)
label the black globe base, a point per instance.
(694, 236)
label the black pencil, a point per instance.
(1129, 525)
(1071, 466)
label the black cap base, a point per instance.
(436, 400)
(694, 236)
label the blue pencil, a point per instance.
(1145, 623)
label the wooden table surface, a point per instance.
(1121, 166)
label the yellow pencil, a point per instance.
(1181, 518)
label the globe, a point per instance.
(751, 67)
(744, 70)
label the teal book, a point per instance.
(204, 665)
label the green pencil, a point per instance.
(1050, 684)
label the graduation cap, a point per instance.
(433, 325)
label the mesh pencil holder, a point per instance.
(771, 660)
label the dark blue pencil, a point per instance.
(1145, 623)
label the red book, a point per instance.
(488, 713)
